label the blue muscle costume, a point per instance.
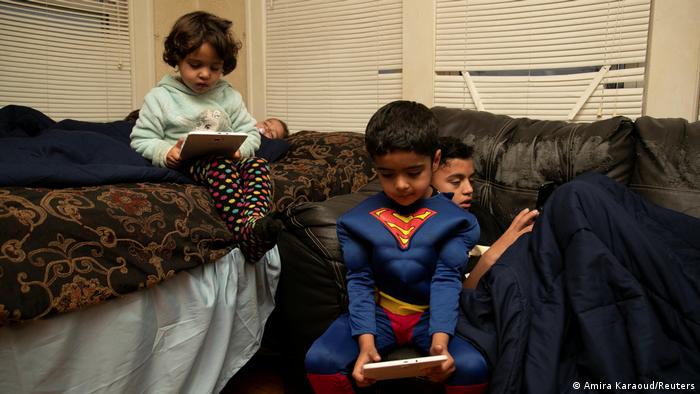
(404, 278)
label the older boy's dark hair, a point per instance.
(453, 148)
(192, 30)
(402, 126)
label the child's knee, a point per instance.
(471, 367)
(320, 361)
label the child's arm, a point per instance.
(444, 294)
(360, 282)
(520, 225)
(446, 283)
(148, 136)
(368, 353)
(440, 340)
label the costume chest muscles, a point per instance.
(404, 241)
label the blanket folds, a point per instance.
(604, 291)
(36, 151)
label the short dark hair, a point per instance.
(192, 30)
(285, 129)
(402, 126)
(453, 148)
(133, 116)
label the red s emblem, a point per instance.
(402, 227)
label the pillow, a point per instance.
(320, 165)
(272, 149)
(20, 121)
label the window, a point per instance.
(66, 58)
(570, 60)
(331, 64)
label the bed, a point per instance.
(116, 276)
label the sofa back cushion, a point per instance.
(668, 163)
(513, 156)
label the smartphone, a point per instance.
(543, 193)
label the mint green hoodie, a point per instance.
(171, 110)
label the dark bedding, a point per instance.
(604, 291)
(82, 218)
(36, 151)
(94, 224)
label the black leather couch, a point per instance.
(658, 158)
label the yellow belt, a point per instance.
(394, 305)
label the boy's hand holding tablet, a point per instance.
(405, 368)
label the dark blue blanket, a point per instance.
(604, 294)
(36, 151)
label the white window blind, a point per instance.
(571, 60)
(331, 64)
(66, 58)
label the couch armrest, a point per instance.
(314, 222)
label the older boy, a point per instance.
(404, 250)
(454, 175)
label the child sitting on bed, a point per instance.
(454, 176)
(202, 48)
(404, 250)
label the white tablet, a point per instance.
(405, 368)
(200, 143)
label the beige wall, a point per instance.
(149, 67)
(673, 60)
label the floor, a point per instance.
(264, 375)
(261, 375)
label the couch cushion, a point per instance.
(314, 222)
(513, 156)
(319, 166)
(668, 163)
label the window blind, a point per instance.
(571, 60)
(66, 58)
(331, 64)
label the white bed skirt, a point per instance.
(190, 334)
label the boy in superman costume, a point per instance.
(404, 250)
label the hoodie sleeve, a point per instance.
(148, 136)
(243, 122)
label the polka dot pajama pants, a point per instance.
(241, 191)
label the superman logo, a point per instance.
(402, 227)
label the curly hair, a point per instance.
(192, 30)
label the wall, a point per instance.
(152, 22)
(673, 73)
(673, 60)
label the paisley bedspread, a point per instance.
(64, 249)
(84, 219)
(320, 165)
